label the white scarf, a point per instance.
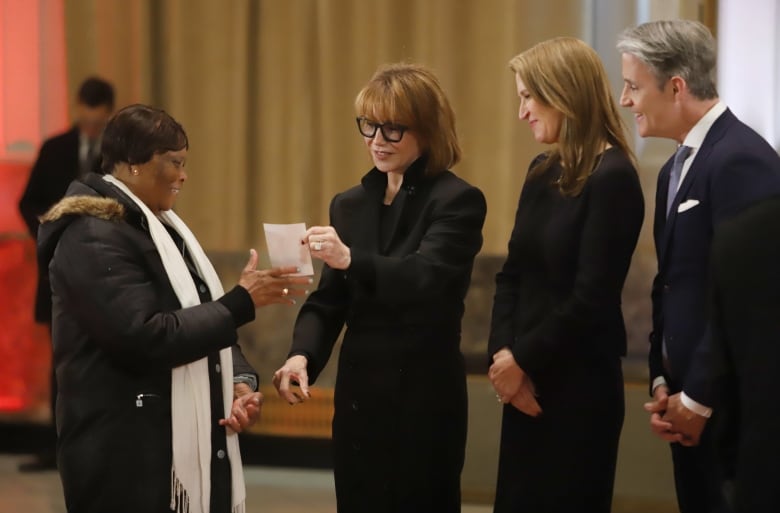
(190, 391)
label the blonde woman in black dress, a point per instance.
(557, 333)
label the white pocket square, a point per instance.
(687, 205)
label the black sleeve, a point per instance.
(321, 317)
(239, 302)
(100, 277)
(38, 195)
(240, 363)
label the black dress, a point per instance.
(557, 307)
(399, 428)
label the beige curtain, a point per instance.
(265, 88)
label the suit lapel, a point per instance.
(698, 166)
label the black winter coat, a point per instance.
(118, 330)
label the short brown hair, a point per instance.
(410, 95)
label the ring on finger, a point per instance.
(285, 291)
(317, 245)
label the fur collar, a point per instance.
(108, 209)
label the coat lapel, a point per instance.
(375, 183)
(366, 231)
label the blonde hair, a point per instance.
(566, 74)
(410, 95)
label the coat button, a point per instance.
(218, 368)
(355, 406)
(202, 288)
(221, 454)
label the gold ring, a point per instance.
(285, 291)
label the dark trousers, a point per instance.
(698, 483)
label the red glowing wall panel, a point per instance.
(25, 352)
(33, 106)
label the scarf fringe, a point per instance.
(180, 500)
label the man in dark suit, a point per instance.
(721, 166)
(745, 334)
(62, 159)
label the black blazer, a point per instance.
(746, 341)
(733, 168)
(56, 166)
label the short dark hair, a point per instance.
(138, 132)
(95, 92)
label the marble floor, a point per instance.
(270, 490)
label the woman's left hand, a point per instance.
(246, 408)
(506, 376)
(325, 244)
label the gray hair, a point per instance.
(671, 48)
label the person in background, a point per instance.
(398, 258)
(720, 167)
(557, 333)
(153, 388)
(62, 159)
(745, 330)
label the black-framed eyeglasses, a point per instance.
(390, 131)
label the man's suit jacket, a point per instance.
(746, 340)
(733, 168)
(57, 165)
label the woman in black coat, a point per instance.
(557, 332)
(398, 257)
(152, 386)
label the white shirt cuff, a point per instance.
(657, 382)
(698, 409)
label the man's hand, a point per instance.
(687, 423)
(657, 407)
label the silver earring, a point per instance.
(135, 171)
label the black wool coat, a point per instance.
(399, 429)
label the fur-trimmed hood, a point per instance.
(92, 197)
(108, 209)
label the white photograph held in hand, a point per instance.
(285, 248)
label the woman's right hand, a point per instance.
(293, 371)
(269, 286)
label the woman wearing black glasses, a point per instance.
(398, 257)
